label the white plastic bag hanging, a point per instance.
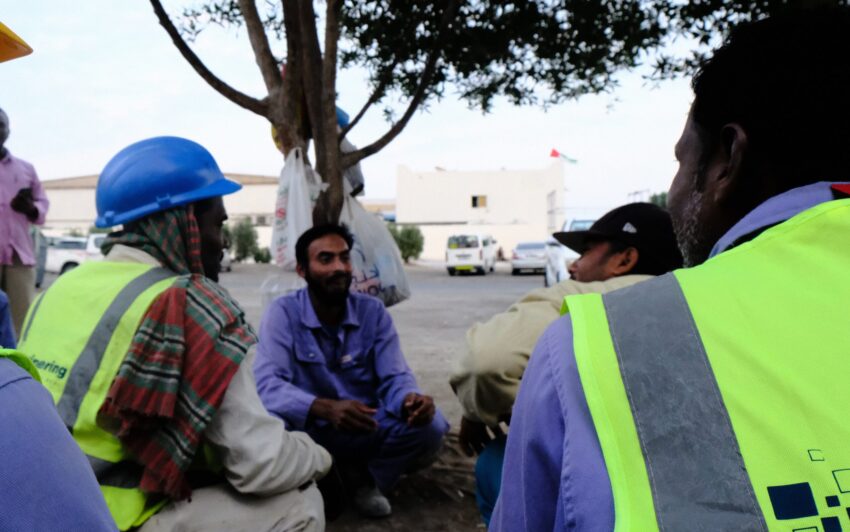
(298, 189)
(352, 174)
(375, 259)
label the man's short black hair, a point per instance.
(785, 81)
(316, 232)
(647, 264)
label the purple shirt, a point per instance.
(554, 477)
(46, 483)
(16, 174)
(299, 360)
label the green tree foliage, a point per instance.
(226, 236)
(263, 256)
(409, 240)
(659, 198)
(244, 239)
(528, 51)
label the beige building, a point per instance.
(72, 204)
(511, 205)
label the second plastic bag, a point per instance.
(375, 259)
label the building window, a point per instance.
(262, 220)
(479, 202)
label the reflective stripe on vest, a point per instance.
(719, 393)
(651, 326)
(87, 364)
(123, 474)
(77, 333)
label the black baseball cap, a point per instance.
(644, 226)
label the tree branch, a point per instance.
(260, 44)
(311, 71)
(241, 99)
(293, 111)
(373, 98)
(329, 68)
(352, 158)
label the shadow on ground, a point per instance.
(438, 498)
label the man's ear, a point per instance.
(299, 270)
(625, 261)
(729, 165)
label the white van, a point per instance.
(470, 253)
(67, 252)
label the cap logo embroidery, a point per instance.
(629, 228)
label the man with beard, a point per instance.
(329, 363)
(715, 397)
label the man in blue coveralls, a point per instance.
(329, 363)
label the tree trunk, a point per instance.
(313, 78)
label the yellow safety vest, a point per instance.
(720, 393)
(77, 334)
(21, 360)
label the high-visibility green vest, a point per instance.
(77, 334)
(720, 394)
(21, 360)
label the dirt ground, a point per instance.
(432, 326)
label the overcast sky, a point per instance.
(104, 74)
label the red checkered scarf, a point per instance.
(183, 356)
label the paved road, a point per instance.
(432, 324)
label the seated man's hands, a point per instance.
(474, 436)
(348, 414)
(419, 409)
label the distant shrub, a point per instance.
(263, 256)
(409, 240)
(244, 239)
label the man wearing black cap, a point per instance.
(630, 244)
(634, 239)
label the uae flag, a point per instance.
(555, 153)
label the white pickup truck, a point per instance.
(68, 252)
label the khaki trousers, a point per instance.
(221, 508)
(18, 281)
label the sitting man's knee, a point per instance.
(308, 511)
(434, 433)
(429, 441)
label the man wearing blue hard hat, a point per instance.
(149, 361)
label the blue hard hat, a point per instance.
(341, 118)
(154, 175)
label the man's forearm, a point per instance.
(321, 408)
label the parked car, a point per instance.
(226, 261)
(470, 253)
(93, 244)
(39, 245)
(66, 253)
(529, 256)
(559, 256)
